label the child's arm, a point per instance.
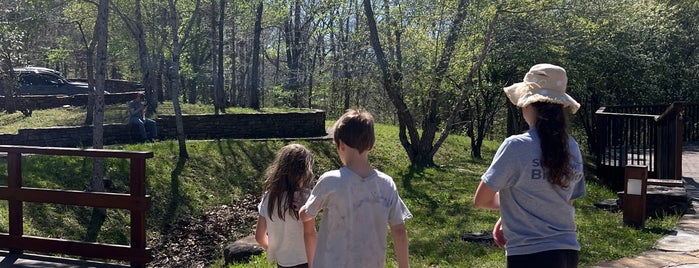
(309, 236)
(486, 197)
(261, 232)
(400, 244)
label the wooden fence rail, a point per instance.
(137, 202)
(651, 135)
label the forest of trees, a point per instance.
(430, 67)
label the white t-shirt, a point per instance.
(285, 237)
(356, 215)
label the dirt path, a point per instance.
(199, 242)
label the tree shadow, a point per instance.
(325, 154)
(175, 195)
(660, 231)
(99, 215)
(418, 194)
(259, 155)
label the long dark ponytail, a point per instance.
(552, 127)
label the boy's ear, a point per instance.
(341, 145)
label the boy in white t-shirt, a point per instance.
(358, 203)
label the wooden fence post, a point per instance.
(14, 182)
(635, 185)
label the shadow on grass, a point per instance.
(660, 231)
(259, 156)
(175, 195)
(325, 154)
(415, 193)
(99, 215)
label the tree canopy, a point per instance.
(431, 67)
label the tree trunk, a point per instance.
(292, 38)
(214, 58)
(234, 66)
(101, 34)
(91, 97)
(515, 121)
(244, 78)
(175, 70)
(175, 84)
(391, 80)
(254, 75)
(220, 79)
(217, 56)
(144, 61)
(159, 83)
(316, 56)
(97, 184)
(136, 29)
(420, 150)
(484, 110)
(9, 83)
(346, 79)
(90, 62)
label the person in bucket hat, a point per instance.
(544, 82)
(535, 176)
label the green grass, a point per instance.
(221, 172)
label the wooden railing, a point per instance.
(650, 136)
(137, 202)
(691, 122)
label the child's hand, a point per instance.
(498, 236)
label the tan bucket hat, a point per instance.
(544, 82)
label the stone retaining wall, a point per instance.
(116, 85)
(39, 102)
(239, 126)
(266, 125)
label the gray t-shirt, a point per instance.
(356, 214)
(536, 215)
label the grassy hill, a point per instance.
(224, 173)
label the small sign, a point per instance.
(633, 186)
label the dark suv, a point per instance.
(45, 81)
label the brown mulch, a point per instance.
(199, 242)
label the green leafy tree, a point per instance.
(10, 47)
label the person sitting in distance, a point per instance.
(137, 116)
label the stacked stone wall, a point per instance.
(226, 126)
(40, 102)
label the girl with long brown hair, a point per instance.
(288, 241)
(535, 176)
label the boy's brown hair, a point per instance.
(356, 129)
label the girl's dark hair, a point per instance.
(552, 127)
(291, 171)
